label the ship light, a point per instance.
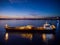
(40, 28)
(29, 27)
(53, 27)
(22, 27)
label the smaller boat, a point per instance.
(29, 28)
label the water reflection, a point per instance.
(34, 38)
(6, 36)
(28, 36)
(57, 27)
(22, 35)
(44, 36)
(47, 37)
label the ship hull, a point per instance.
(29, 31)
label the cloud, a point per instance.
(17, 1)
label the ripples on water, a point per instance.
(17, 38)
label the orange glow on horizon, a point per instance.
(2, 16)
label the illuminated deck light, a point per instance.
(22, 27)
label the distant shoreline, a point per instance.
(30, 19)
(45, 18)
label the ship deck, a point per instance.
(29, 31)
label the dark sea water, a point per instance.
(17, 38)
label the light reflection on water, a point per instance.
(22, 35)
(30, 36)
(6, 36)
(47, 37)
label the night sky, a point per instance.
(29, 7)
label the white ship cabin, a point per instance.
(47, 26)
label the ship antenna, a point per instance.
(46, 22)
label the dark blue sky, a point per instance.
(30, 7)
